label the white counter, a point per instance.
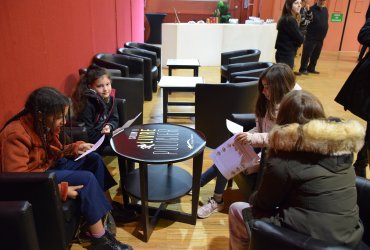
(206, 41)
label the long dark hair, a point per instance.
(287, 12)
(41, 104)
(281, 80)
(79, 98)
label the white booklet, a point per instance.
(94, 147)
(126, 125)
(101, 140)
(231, 157)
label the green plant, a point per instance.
(222, 11)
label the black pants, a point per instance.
(310, 55)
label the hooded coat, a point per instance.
(309, 182)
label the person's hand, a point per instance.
(106, 129)
(83, 147)
(242, 138)
(72, 191)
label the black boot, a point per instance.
(108, 242)
(123, 215)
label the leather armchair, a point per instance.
(237, 56)
(241, 70)
(17, 226)
(130, 66)
(214, 103)
(268, 236)
(150, 47)
(150, 59)
(56, 222)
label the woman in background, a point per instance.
(289, 36)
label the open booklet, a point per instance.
(232, 157)
(101, 140)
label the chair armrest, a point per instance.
(248, 121)
(99, 60)
(269, 236)
(226, 55)
(244, 58)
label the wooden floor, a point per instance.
(212, 233)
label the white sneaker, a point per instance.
(211, 207)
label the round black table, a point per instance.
(156, 147)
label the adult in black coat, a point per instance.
(355, 95)
(316, 33)
(364, 47)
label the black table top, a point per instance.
(158, 143)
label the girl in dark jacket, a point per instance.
(289, 37)
(309, 182)
(94, 105)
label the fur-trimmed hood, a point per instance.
(319, 136)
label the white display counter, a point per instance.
(205, 42)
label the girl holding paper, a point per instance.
(30, 142)
(273, 84)
(93, 104)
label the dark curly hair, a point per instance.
(43, 103)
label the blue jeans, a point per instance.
(209, 175)
(90, 172)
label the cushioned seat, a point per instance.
(149, 47)
(214, 103)
(269, 236)
(237, 56)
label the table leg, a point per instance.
(169, 71)
(196, 71)
(147, 227)
(197, 170)
(165, 104)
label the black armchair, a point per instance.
(56, 222)
(237, 56)
(17, 226)
(268, 236)
(238, 71)
(149, 47)
(214, 103)
(150, 60)
(130, 66)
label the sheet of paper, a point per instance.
(232, 158)
(95, 147)
(126, 125)
(233, 127)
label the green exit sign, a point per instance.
(336, 17)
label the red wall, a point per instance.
(45, 42)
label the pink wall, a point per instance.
(45, 42)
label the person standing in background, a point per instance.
(316, 33)
(355, 96)
(364, 47)
(289, 38)
(306, 17)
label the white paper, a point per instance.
(95, 147)
(126, 125)
(233, 127)
(232, 158)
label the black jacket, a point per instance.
(318, 28)
(355, 93)
(97, 114)
(289, 37)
